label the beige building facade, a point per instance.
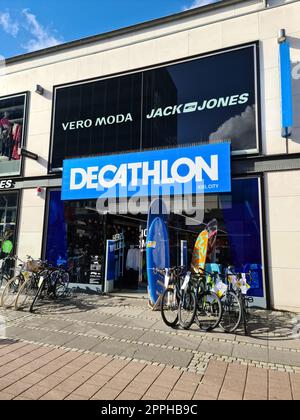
(199, 32)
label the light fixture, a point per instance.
(281, 36)
(39, 89)
(39, 191)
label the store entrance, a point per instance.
(128, 235)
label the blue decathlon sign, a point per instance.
(187, 170)
(286, 89)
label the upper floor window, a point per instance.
(205, 99)
(12, 122)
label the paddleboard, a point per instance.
(158, 256)
(157, 208)
(200, 252)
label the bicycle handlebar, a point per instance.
(172, 270)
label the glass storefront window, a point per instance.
(12, 120)
(8, 221)
(238, 242)
(77, 236)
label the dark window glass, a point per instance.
(8, 231)
(75, 238)
(216, 98)
(204, 100)
(12, 120)
(113, 106)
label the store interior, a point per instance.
(12, 111)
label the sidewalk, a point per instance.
(91, 347)
(31, 372)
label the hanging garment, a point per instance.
(133, 259)
(6, 137)
(6, 142)
(17, 136)
(5, 123)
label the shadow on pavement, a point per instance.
(271, 325)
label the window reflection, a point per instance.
(203, 100)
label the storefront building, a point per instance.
(166, 102)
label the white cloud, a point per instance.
(8, 25)
(41, 36)
(239, 129)
(199, 3)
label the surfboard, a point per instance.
(158, 256)
(157, 208)
(200, 252)
(212, 229)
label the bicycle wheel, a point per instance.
(41, 287)
(3, 282)
(169, 307)
(10, 291)
(209, 311)
(26, 293)
(61, 283)
(187, 309)
(232, 312)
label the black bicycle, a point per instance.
(235, 302)
(208, 307)
(53, 283)
(7, 265)
(170, 299)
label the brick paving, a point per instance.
(60, 374)
(106, 348)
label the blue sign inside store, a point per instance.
(186, 170)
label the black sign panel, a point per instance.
(7, 184)
(212, 98)
(28, 154)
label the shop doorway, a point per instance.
(128, 258)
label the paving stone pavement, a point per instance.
(85, 330)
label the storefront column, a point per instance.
(31, 223)
(283, 226)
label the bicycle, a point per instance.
(208, 308)
(13, 286)
(188, 299)
(5, 271)
(188, 303)
(171, 297)
(236, 302)
(53, 283)
(29, 284)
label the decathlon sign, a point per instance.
(200, 169)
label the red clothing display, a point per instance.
(17, 136)
(5, 123)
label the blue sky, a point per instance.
(28, 25)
